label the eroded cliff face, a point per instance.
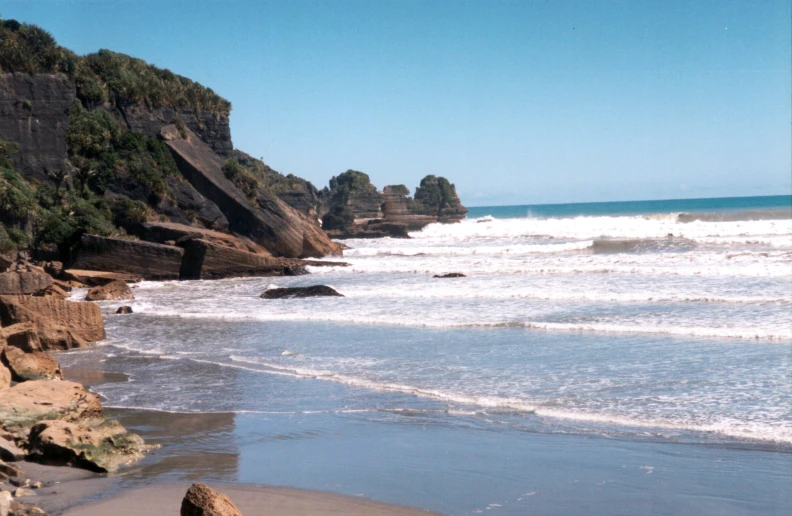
(34, 112)
(214, 130)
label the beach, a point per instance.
(621, 364)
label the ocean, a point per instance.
(589, 350)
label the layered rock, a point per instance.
(190, 206)
(34, 112)
(60, 324)
(113, 291)
(100, 446)
(21, 335)
(24, 282)
(208, 260)
(36, 365)
(269, 221)
(179, 234)
(99, 278)
(27, 403)
(151, 261)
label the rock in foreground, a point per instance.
(36, 365)
(96, 446)
(201, 500)
(116, 290)
(25, 404)
(292, 292)
(60, 324)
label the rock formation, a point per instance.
(267, 220)
(60, 324)
(294, 292)
(27, 403)
(151, 261)
(27, 282)
(35, 365)
(201, 500)
(114, 291)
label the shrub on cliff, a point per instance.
(436, 192)
(28, 48)
(241, 176)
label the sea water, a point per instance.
(658, 322)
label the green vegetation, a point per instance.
(242, 177)
(436, 191)
(351, 181)
(104, 76)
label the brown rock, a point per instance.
(26, 403)
(201, 500)
(113, 291)
(100, 446)
(53, 268)
(60, 324)
(123, 310)
(268, 221)
(208, 260)
(10, 452)
(98, 278)
(31, 366)
(151, 261)
(53, 290)
(21, 335)
(5, 377)
(178, 234)
(25, 282)
(10, 470)
(5, 502)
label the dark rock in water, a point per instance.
(113, 291)
(292, 292)
(201, 500)
(372, 229)
(450, 275)
(124, 310)
(267, 220)
(151, 261)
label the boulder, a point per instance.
(11, 470)
(151, 261)
(5, 377)
(37, 365)
(208, 260)
(60, 324)
(292, 292)
(27, 403)
(450, 275)
(124, 310)
(164, 232)
(114, 291)
(22, 335)
(100, 446)
(267, 220)
(10, 452)
(98, 278)
(201, 500)
(24, 282)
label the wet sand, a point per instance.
(251, 500)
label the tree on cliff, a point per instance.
(437, 192)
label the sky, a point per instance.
(516, 102)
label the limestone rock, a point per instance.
(10, 452)
(163, 232)
(293, 292)
(31, 366)
(24, 404)
(60, 324)
(100, 446)
(99, 278)
(268, 221)
(24, 282)
(201, 500)
(114, 291)
(208, 260)
(21, 335)
(124, 310)
(151, 261)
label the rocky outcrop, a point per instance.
(151, 261)
(123, 310)
(23, 282)
(100, 446)
(214, 130)
(98, 278)
(267, 220)
(208, 260)
(10, 452)
(201, 500)
(60, 324)
(27, 403)
(294, 292)
(113, 291)
(34, 112)
(21, 335)
(188, 206)
(179, 234)
(372, 229)
(30, 366)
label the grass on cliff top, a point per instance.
(104, 76)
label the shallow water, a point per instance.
(665, 336)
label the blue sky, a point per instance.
(515, 102)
